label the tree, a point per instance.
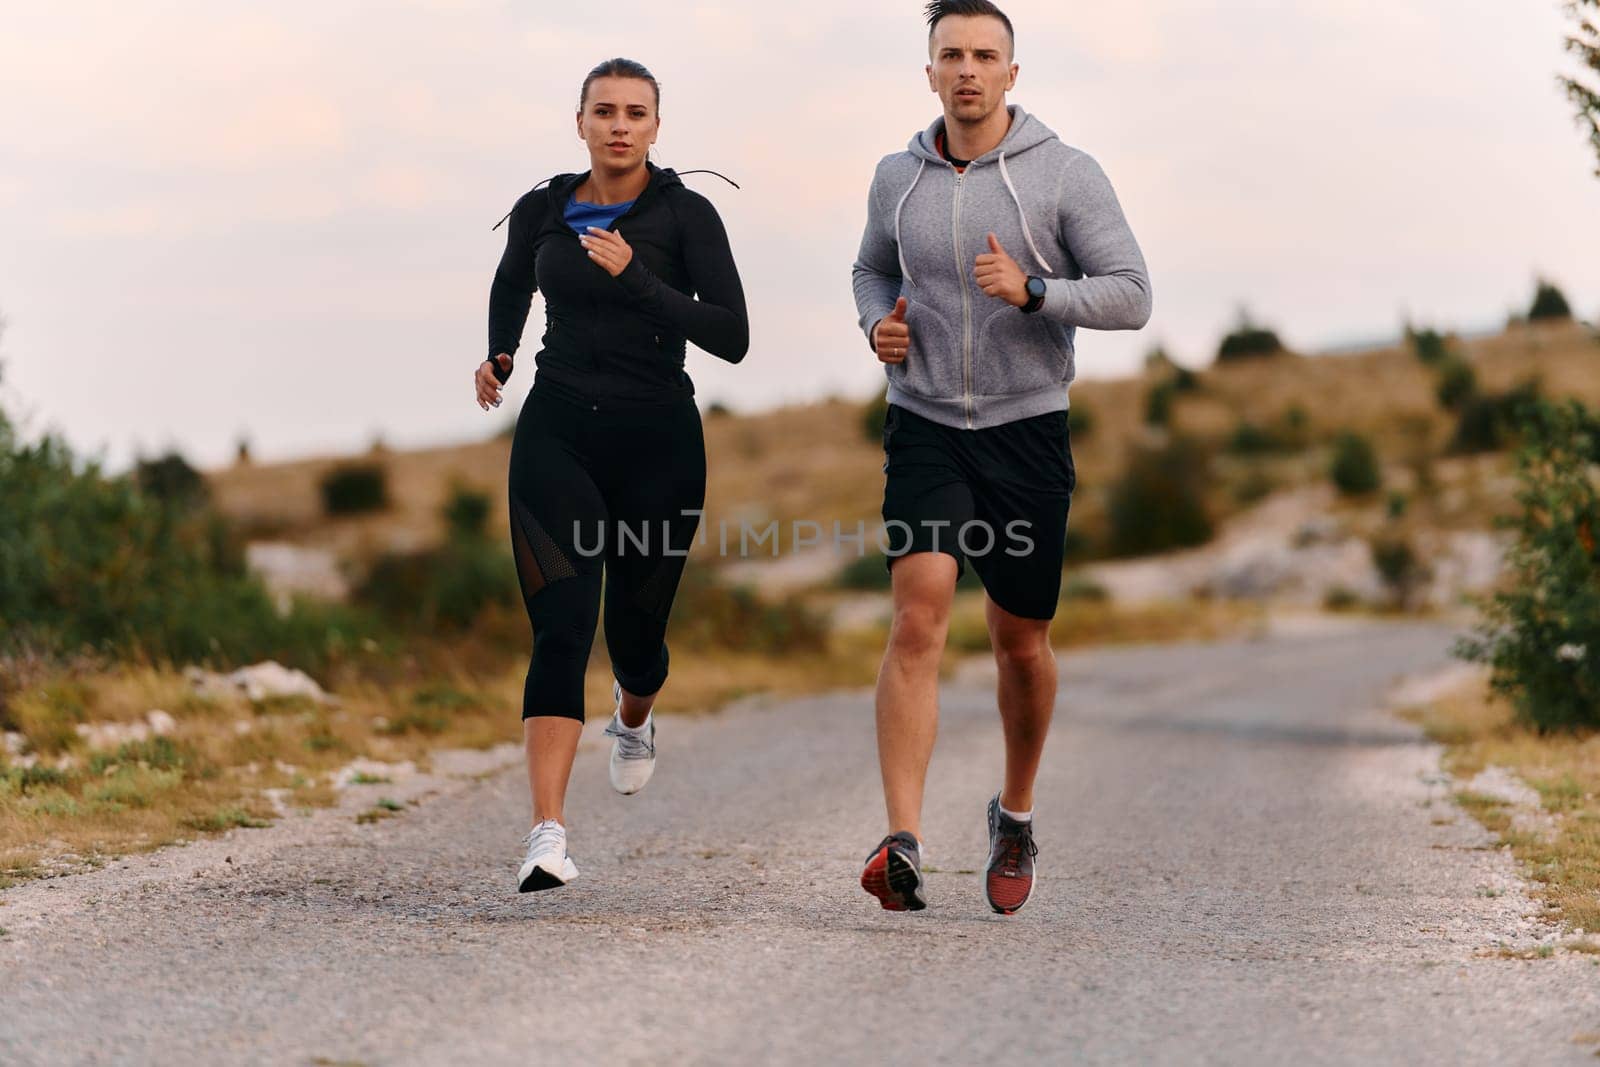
(1248, 341)
(1549, 303)
(1584, 89)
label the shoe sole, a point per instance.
(540, 879)
(896, 884)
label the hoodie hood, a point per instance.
(1026, 132)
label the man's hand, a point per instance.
(607, 248)
(998, 275)
(487, 385)
(891, 337)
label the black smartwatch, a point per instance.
(1035, 295)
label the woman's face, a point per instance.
(619, 123)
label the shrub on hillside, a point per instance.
(449, 587)
(1488, 423)
(1159, 502)
(1549, 303)
(1403, 572)
(1354, 469)
(708, 614)
(466, 513)
(1430, 346)
(172, 480)
(90, 561)
(1249, 341)
(1252, 439)
(443, 589)
(873, 416)
(1158, 404)
(355, 488)
(1458, 383)
(1541, 635)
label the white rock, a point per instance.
(262, 681)
(161, 723)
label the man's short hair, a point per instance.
(938, 9)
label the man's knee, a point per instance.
(1021, 647)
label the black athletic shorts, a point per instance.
(997, 497)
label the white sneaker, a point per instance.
(547, 864)
(633, 753)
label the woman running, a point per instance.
(608, 465)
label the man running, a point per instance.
(988, 242)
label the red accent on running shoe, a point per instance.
(875, 880)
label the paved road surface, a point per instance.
(1243, 861)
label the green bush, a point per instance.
(1458, 383)
(1403, 573)
(1488, 423)
(1158, 404)
(1249, 341)
(1251, 439)
(91, 561)
(1430, 346)
(172, 480)
(873, 416)
(1080, 420)
(1159, 502)
(355, 489)
(1541, 635)
(1354, 469)
(1549, 302)
(466, 513)
(440, 589)
(708, 614)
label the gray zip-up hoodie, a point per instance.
(975, 360)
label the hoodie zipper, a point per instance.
(966, 304)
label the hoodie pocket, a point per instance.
(1018, 353)
(933, 366)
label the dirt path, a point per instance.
(1242, 861)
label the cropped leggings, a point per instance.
(598, 497)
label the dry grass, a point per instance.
(1478, 732)
(214, 771)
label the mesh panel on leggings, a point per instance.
(540, 558)
(655, 595)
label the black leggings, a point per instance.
(597, 489)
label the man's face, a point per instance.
(970, 66)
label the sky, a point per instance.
(224, 220)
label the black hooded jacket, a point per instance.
(620, 339)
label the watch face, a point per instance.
(1036, 288)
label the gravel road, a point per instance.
(1243, 860)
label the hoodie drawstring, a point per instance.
(1027, 234)
(905, 272)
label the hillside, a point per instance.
(817, 462)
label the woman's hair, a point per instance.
(619, 68)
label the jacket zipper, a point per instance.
(966, 305)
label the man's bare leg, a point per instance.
(1027, 697)
(908, 682)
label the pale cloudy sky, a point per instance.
(224, 218)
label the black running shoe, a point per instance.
(1008, 882)
(893, 873)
